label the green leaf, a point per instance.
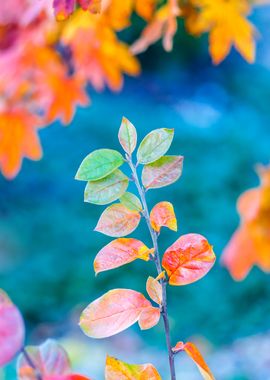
(117, 221)
(127, 136)
(106, 190)
(131, 201)
(99, 164)
(162, 172)
(154, 145)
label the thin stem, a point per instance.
(154, 237)
(31, 363)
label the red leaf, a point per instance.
(188, 259)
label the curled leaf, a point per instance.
(120, 252)
(131, 202)
(188, 259)
(50, 360)
(99, 164)
(162, 215)
(118, 370)
(127, 136)
(149, 318)
(196, 356)
(154, 289)
(107, 189)
(154, 145)
(162, 172)
(112, 313)
(117, 220)
(11, 329)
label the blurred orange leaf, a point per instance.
(162, 215)
(196, 356)
(120, 252)
(188, 259)
(250, 244)
(112, 313)
(64, 8)
(226, 22)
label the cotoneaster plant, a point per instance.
(184, 262)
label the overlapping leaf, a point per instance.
(162, 215)
(112, 313)
(107, 189)
(131, 201)
(154, 290)
(120, 252)
(117, 220)
(154, 145)
(11, 329)
(196, 356)
(50, 360)
(118, 370)
(188, 259)
(99, 164)
(162, 172)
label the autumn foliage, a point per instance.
(44, 67)
(250, 244)
(184, 262)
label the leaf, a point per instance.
(11, 329)
(117, 221)
(50, 359)
(163, 25)
(188, 259)
(154, 145)
(131, 202)
(99, 164)
(162, 215)
(107, 189)
(154, 289)
(250, 243)
(127, 136)
(162, 172)
(149, 318)
(66, 377)
(196, 356)
(18, 139)
(226, 29)
(120, 252)
(112, 313)
(118, 370)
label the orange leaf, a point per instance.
(154, 289)
(188, 259)
(149, 318)
(18, 139)
(196, 356)
(162, 215)
(120, 252)
(11, 329)
(117, 220)
(227, 25)
(118, 370)
(112, 313)
(250, 244)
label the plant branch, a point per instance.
(31, 363)
(154, 237)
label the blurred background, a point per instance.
(221, 117)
